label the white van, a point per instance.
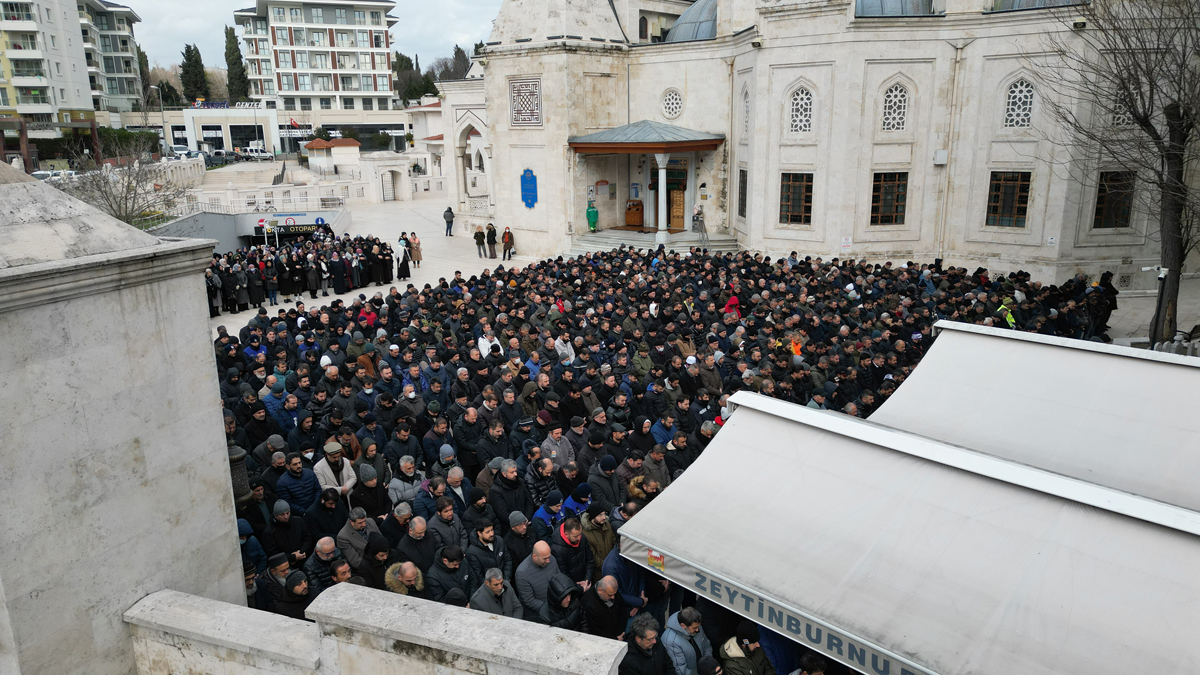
(257, 154)
(179, 150)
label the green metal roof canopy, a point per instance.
(646, 136)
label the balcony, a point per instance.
(28, 78)
(16, 51)
(18, 21)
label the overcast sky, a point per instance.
(429, 29)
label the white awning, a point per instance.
(1115, 416)
(899, 555)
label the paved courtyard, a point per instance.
(443, 255)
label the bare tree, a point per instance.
(134, 189)
(1127, 75)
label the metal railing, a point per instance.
(278, 179)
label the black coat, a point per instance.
(519, 547)
(288, 538)
(323, 522)
(602, 620)
(508, 496)
(440, 579)
(421, 552)
(554, 614)
(480, 559)
(574, 561)
(638, 662)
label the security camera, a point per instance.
(1078, 24)
(757, 44)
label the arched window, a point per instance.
(746, 116)
(895, 108)
(800, 121)
(643, 29)
(1018, 108)
(479, 162)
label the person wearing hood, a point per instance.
(645, 656)
(446, 526)
(485, 551)
(328, 516)
(287, 535)
(572, 552)
(405, 578)
(447, 572)
(685, 643)
(641, 437)
(548, 516)
(496, 596)
(370, 494)
(742, 654)
(252, 551)
(509, 494)
(317, 567)
(607, 490)
(295, 597)
(563, 608)
(425, 504)
(377, 558)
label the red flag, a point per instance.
(293, 122)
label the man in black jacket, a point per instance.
(645, 656)
(510, 494)
(288, 536)
(519, 541)
(604, 610)
(446, 573)
(484, 552)
(418, 546)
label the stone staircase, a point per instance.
(606, 240)
(219, 179)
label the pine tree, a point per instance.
(192, 75)
(237, 84)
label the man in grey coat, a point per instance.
(496, 596)
(352, 540)
(533, 578)
(446, 526)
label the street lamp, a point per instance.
(162, 117)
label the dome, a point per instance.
(699, 22)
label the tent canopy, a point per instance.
(1114, 416)
(894, 553)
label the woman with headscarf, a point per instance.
(296, 271)
(731, 307)
(212, 284)
(228, 289)
(337, 270)
(257, 294)
(388, 259)
(312, 273)
(491, 240)
(356, 268)
(402, 271)
(242, 284)
(509, 244)
(285, 277)
(375, 258)
(414, 249)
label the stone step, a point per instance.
(607, 240)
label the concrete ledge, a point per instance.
(234, 627)
(494, 639)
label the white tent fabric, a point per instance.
(850, 539)
(1114, 416)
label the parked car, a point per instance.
(42, 175)
(258, 154)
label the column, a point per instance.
(662, 236)
(488, 173)
(460, 179)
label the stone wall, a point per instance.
(116, 477)
(357, 630)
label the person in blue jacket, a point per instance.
(252, 551)
(299, 486)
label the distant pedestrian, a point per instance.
(509, 242)
(491, 240)
(480, 238)
(449, 216)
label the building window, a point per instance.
(360, 18)
(1008, 198)
(306, 104)
(895, 108)
(795, 198)
(285, 82)
(298, 35)
(278, 14)
(289, 104)
(376, 18)
(285, 59)
(1018, 109)
(672, 103)
(382, 103)
(326, 104)
(347, 104)
(743, 180)
(368, 104)
(888, 194)
(339, 16)
(318, 15)
(801, 114)
(305, 82)
(364, 39)
(269, 90)
(301, 59)
(1114, 200)
(643, 29)
(297, 15)
(281, 35)
(320, 60)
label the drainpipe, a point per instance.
(946, 183)
(730, 167)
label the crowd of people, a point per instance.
(480, 442)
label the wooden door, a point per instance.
(676, 208)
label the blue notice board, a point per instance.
(529, 188)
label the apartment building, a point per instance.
(64, 59)
(320, 63)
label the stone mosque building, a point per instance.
(885, 129)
